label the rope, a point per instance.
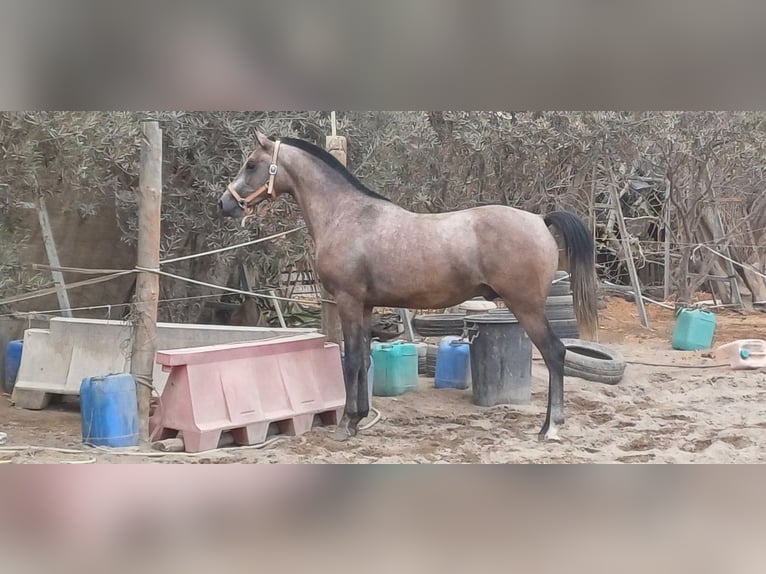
(114, 273)
(53, 290)
(678, 366)
(742, 265)
(97, 307)
(80, 270)
(374, 421)
(685, 244)
(146, 381)
(232, 290)
(92, 271)
(230, 247)
(666, 366)
(644, 297)
(154, 454)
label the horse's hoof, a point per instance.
(550, 434)
(342, 434)
(542, 437)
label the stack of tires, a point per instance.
(559, 308)
(430, 362)
(440, 325)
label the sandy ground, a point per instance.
(687, 411)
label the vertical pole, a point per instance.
(278, 309)
(720, 235)
(147, 284)
(592, 203)
(666, 259)
(53, 258)
(406, 316)
(331, 327)
(628, 256)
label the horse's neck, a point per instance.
(325, 199)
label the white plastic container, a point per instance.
(743, 354)
(477, 306)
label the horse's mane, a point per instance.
(334, 164)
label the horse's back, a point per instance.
(469, 239)
(465, 233)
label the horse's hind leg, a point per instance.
(534, 322)
(367, 341)
(352, 317)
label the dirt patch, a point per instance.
(619, 323)
(681, 412)
(636, 458)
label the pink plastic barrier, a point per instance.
(246, 388)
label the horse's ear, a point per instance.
(262, 140)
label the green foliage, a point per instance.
(203, 151)
(425, 161)
(80, 154)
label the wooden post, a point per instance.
(720, 235)
(278, 309)
(331, 327)
(53, 258)
(625, 247)
(147, 284)
(666, 246)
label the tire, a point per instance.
(592, 377)
(559, 301)
(560, 315)
(593, 362)
(438, 325)
(565, 328)
(431, 353)
(559, 308)
(562, 287)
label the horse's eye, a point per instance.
(250, 166)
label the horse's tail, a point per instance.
(581, 265)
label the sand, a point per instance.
(686, 410)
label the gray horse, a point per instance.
(371, 252)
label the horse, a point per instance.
(370, 252)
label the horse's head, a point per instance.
(254, 182)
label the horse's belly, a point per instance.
(424, 288)
(430, 301)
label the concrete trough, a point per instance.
(55, 360)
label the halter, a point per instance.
(268, 188)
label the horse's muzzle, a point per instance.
(228, 206)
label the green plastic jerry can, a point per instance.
(395, 368)
(694, 330)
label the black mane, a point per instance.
(332, 162)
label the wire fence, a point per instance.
(644, 257)
(110, 274)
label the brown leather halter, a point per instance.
(268, 188)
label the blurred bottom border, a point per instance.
(123, 517)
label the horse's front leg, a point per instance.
(352, 318)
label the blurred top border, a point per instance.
(427, 54)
